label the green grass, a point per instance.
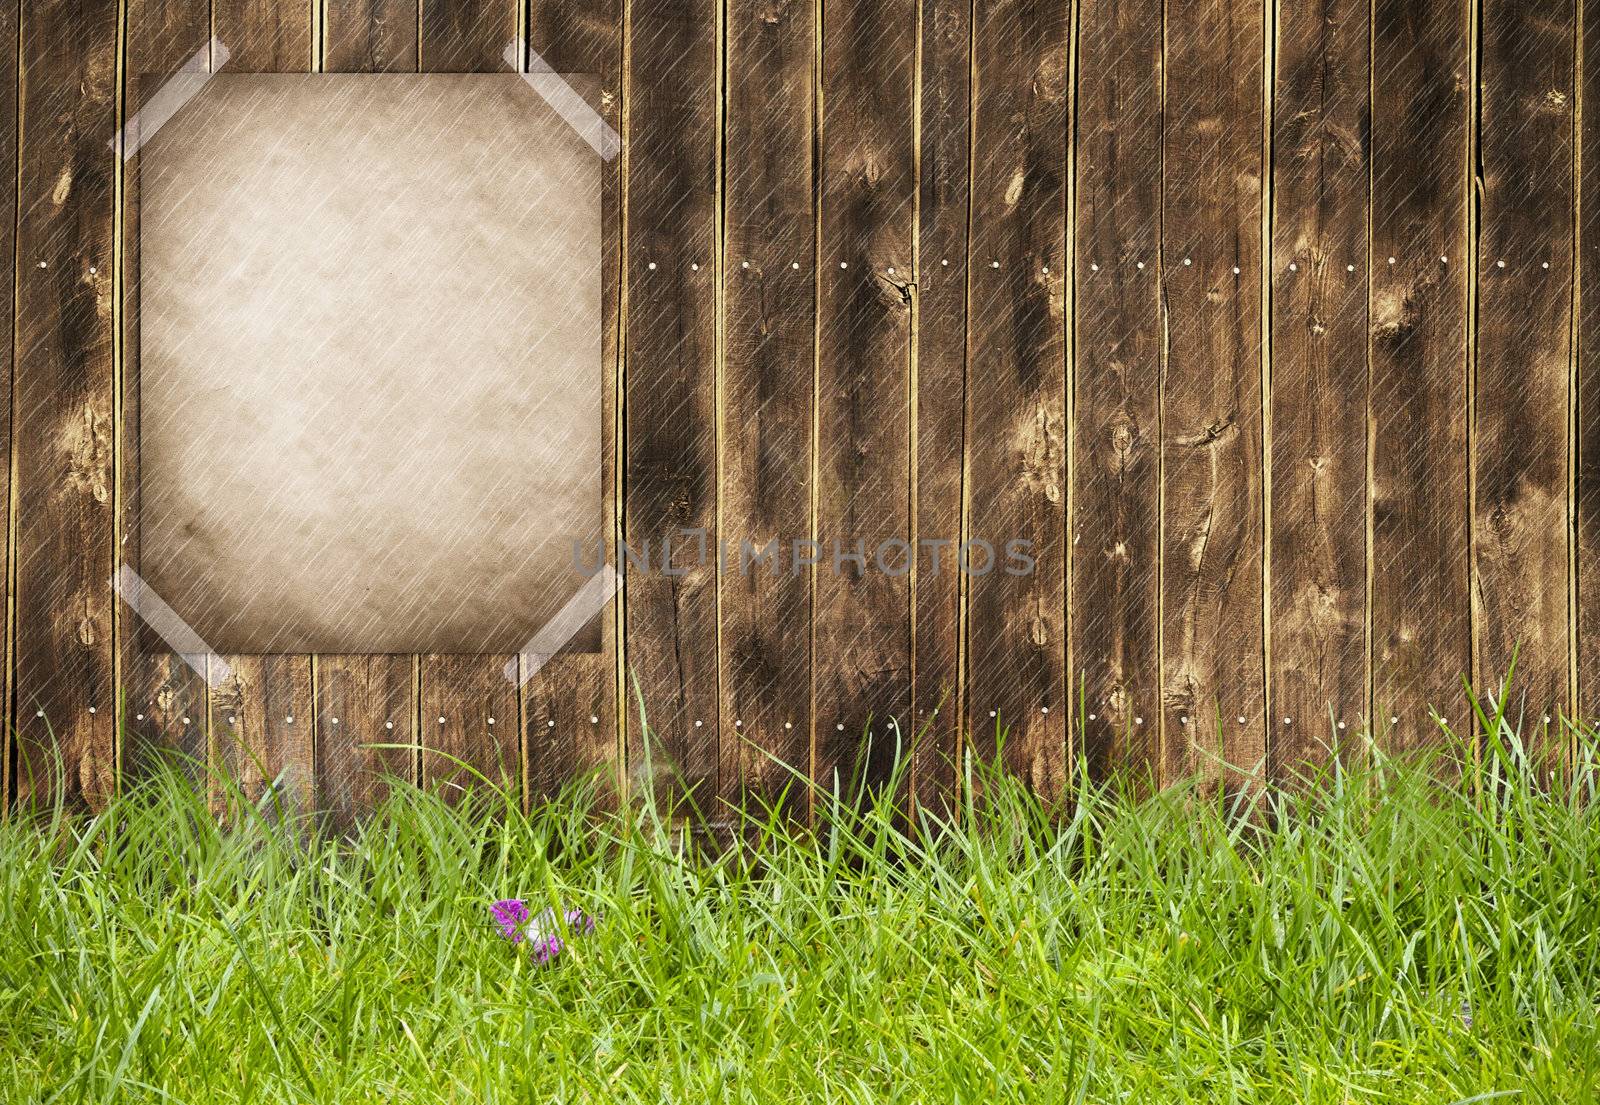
(1382, 937)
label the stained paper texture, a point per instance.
(369, 362)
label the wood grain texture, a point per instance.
(943, 203)
(362, 702)
(861, 676)
(63, 414)
(1015, 556)
(370, 36)
(1524, 345)
(1420, 604)
(262, 746)
(1588, 397)
(1319, 381)
(365, 701)
(264, 36)
(467, 36)
(671, 482)
(163, 698)
(9, 19)
(769, 275)
(1212, 416)
(1119, 322)
(468, 725)
(579, 691)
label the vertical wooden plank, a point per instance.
(671, 475)
(1420, 616)
(262, 715)
(370, 36)
(861, 611)
(1015, 556)
(362, 701)
(1587, 500)
(940, 392)
(63, 406)
(265, 36)
(1319, 380)
(1212, 417)
(578, 691)
(9, 76)
(769, 275)
(460, 694)
(365, 701)
(466, 36)
(1117, 389)
(163, 699)
(469, 725)
(1524, 333)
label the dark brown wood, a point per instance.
(8, 228)
(769, 278)
(1588, 397)
(467, 36)
(940, 303)
(578, 691)
(1117, 389)
(571, 731)
(468, 725)
(861, 653)
(163, 699)
(1212, 668)
(365, 701)
(1420, 615)
(1015, 555)
(261, 746)
(261, 731)
(63, 413)
(264, 36)
(671, 482)
(1520, 446)
(370, 36)
(1319, 382)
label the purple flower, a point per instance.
(542, 933)
(508, 914)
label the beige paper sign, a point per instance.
(369, 362)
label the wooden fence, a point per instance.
(1264, 327)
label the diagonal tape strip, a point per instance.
(178, 634)
(567, 624)
(564, 99)
(170, 98)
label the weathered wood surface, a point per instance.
(63, 414)
(1015, 555)
(861, 636)
(1212, 426)
(1417, 413)
(672, 268)
(1318, 406)
(940, 393)
(1120, 345)
(769, 277)
(1587, 406)
(9, 19)
(1520, 446)
(1284, 434)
